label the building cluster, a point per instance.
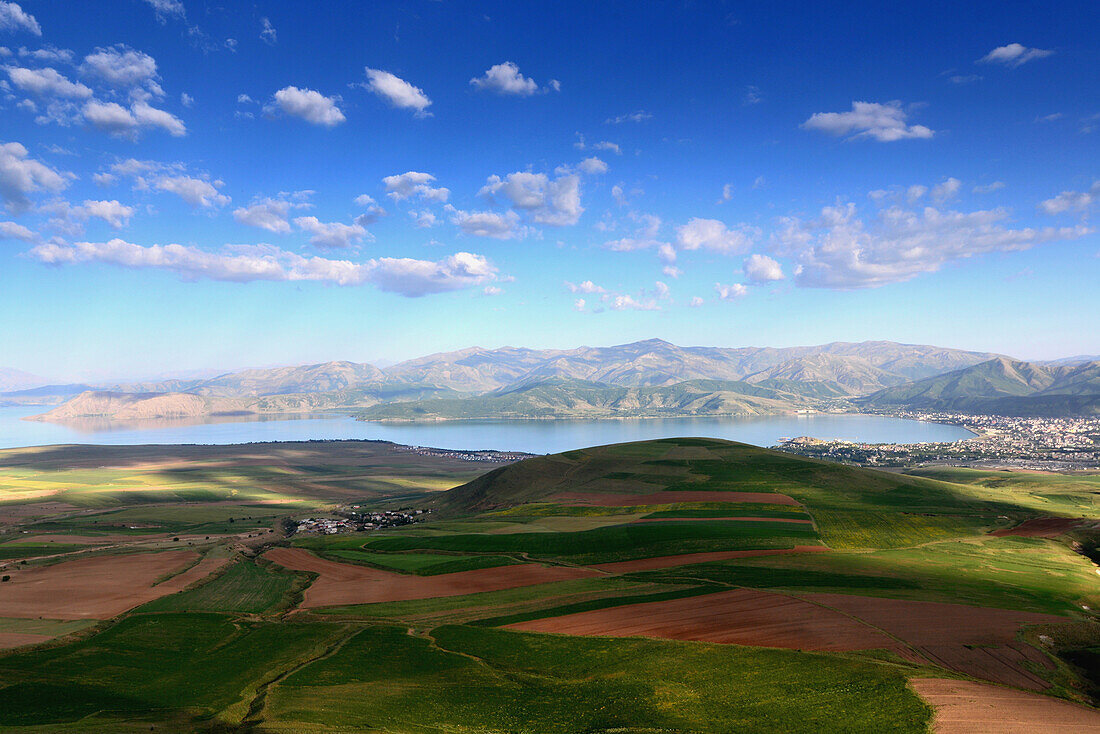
(351, 520)
(496, 457)
(1005, 442)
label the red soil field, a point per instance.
(200, 570)
(743, 519)
(965, 707)
(977, 641)
(685, 559)
(1041, 527)
(343, 583)
(18, 639)
(606, 499)
(90, 588)
(740, 616)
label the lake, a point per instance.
(537, 437)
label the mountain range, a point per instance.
(646, 378)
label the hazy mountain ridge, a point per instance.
(517, 382)
(1001, 386)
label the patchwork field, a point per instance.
(685, 585)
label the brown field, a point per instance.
(199, 571)
(977, 641)
(740, 616)
(686, 559)
(343, 583)
(18, 639)
(76, 539)
(712, 519)
(1041, 527)
(606, 499)
(965, 707)
(90, 588)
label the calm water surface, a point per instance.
(539, 437)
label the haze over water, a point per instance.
(536, 436)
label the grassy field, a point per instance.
(233, 652)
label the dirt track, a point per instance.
(90, 588)
(606, 499)
(343, 583)
(965, 707)
(686, 559)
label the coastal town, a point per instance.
(1000, 442)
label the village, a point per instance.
(350, 520)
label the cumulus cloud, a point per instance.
(167, 9)
(14, 231)
(13, 18)
(882, 122)
(583, 144)
(21, 176)
(415, 183)
(1072, 201)
(271, 214)
(553, 202)
(695, 302)
(330, 235)
(488, 224)
(247, 263)
(398, 92)
(421, 220)
(579, 304)
(112, 212)
(1014, 54)
(592, 166)
(989, 187)
(586, 286)
(946, 190)
(198, 192)
(711, 234)
(47, 82)
(762, 269)
(122, 67)
(841, 250)
(114, 119)
(636, 116)
(506, 79)
(309, 105)
(730, 292)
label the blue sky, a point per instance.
(188, 185)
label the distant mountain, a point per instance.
(1001, 386)
(1079, 359)
(530, 382)
(13, 379)
(558, 397)
(44, 395)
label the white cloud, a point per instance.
(114, 119)
(592, 166)
(696, 302)
(112, 212)
(268, 34)
(582, 144)
(711, 234)
(946, 190)
(267, 213)
(492, 290)
(488, 224)
(645, 300)
(398, 92)
(197, 192)
(729, 292)
(578, 304)
(883, 122)
(122, 67)
(989, 188)
(752, 96)
(1072, 201)
(310, 105)
(915, 192)
(553, 202)
(186, 99)
(727, 193)
(14, 231)
(47, 82)
(421, 220)
(762, 269)
(840, 250)
(330, 235)
(586, 286)
(246, 263)
(637, 116)
(965, 78)
(167, 8)
(49, 54)
(415, 183)
(245, 99)
(1014, 54)
(21, 176)
(506, 79)
(13, 18)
